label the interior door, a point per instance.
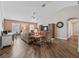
(51, 29)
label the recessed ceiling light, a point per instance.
(33, 13)
(43, 5)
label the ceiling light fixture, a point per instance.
(43, 5)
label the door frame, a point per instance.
(73, 18)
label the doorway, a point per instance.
(73, 29)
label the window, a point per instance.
(31, 27)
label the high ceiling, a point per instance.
(41, 10)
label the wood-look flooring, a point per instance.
(58, 49)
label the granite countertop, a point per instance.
(8, 34)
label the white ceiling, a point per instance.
(23, 10)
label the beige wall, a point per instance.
(24, 26)
(8, 25)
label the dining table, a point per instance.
(37, 39)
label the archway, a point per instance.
(72, 24)
(73, 29)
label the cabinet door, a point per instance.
(6, 40)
